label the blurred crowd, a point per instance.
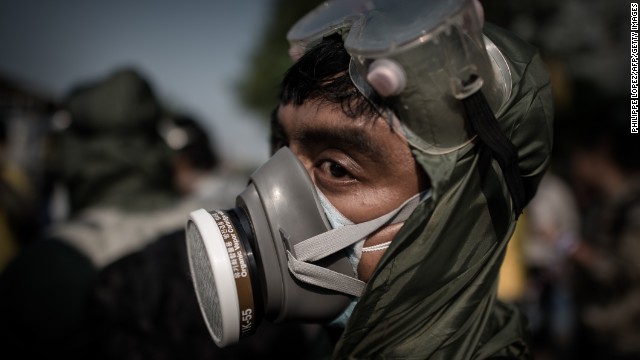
(95, 191)
(572, 263)
(94, 263)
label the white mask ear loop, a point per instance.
(377, 247)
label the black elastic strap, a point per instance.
(484, 123)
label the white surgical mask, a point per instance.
(338, 220)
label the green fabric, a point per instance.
(433, 294)
(122, 102)
(112, 154)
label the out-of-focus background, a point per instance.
(194, 54)
(209, 72)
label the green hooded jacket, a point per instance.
(433, 294)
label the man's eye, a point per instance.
(334, 169)
(337, 171)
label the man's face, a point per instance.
(363, 167)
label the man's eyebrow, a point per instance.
(349, 137)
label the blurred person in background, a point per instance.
(606, 174)
(552, 225)
(116, 169)
(18, 216)
(198, 172)
(24, 128)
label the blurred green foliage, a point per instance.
(258, 87)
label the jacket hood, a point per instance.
(433, 294)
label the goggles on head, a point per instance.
(423, 55)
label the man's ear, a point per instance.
(277, 136)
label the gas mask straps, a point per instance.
(333, 241)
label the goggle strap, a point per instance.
(500, 147)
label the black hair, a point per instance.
(322, 75)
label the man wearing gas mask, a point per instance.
(409, 139)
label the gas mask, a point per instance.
(275, 256)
